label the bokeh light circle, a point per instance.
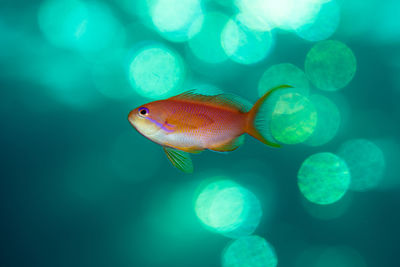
(285, 14)
(328, 121)
(67, 80)
(390, 147)
(294, 119)
(330, 65)
(173, 18)
(284, 73)
(243, 45)
(109, 77)
(156, 71)
(336, 256)
(254, 23)
(331, 211)
(253, 16)
(324, 25)
(291, 117)
(323, 178)
(375, 25)
(63, 22)
(366, 163)
(227, 208)
(138, 8)
(340, 256)
(292, 14)
(84, 26)
(206, 43)
(252, 251)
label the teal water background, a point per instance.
(80, 187)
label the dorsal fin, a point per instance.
(230, 101)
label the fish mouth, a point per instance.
(133, 120)
(142, 125)
(132, 116)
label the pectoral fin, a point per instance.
(180, 159)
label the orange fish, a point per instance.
(192, 122)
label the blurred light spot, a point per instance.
(340, 256)
(67, 79)
(206, 43)
(223, 3)
(330, 65)
(376, 24)
(173, 18)
(130, 164)
(285, 14)
(254, 23)
(308, 256)
(324, 25)
(156, 71)
(81, 29)
(266, 190)
(227, 208)
(139, 8)
(391, 150)
(294, 119)
(139, 34)
(328, 212)
(284, 73)
(84, 26)
(243, 45)
(159, 224)
(328, 121)
(61, 21)
(62, 75)
(323, 178)
(253, 15)
(366, 163)
(386, 26)
(358, 24)
(251, 251)
(109, 76)
(345, 109)
(292, 14)
(292, 116)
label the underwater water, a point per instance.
(80, 186)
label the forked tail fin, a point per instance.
(257, 124)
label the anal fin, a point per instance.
(180, 159)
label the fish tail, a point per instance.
(257, 123)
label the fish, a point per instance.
(192, 122)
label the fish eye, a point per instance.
(143, 111)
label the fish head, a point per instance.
(148, 119)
